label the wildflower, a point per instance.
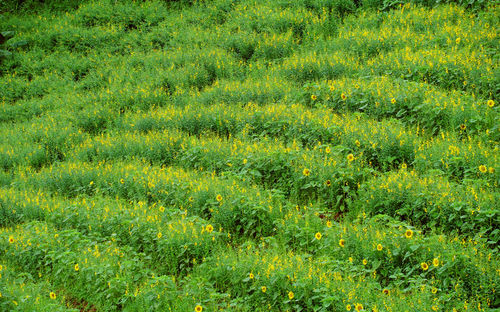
(159, 235)
(435, 308)
(393, 101)
(77, 267)
(52, 295)
(490, 103)
(209, 228)
(348, 307)
(314, 97)
(359, 307)
(122, 181)
(343, 96)
(424, 266)
(483, 169)
(358, 144)
(408, 233)
(329, 223)
(306, 172)
(457, 41)
(11, 239)
(332, 88)
(328, 183)
(434, 290)
(198, 308)
(365, 262)
(342, 243)
(350, 157)
(435, 262)
(356, 86)
(379, 247)
(219, 198)
(386, 292)
(191, 199)
(404, 166)
(317, 236)
(251, 276)
(327, 150)
(463, 127)
(291, 295)
(245, 161)
(162, 209)
(491, 170)
(264, 289)
(1, 267)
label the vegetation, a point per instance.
(255, 155)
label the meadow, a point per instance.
(250, 155)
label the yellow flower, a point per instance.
(219, 198)
(1, 267)
(122, 181)
(350, 157)
(329, 223)
(317, 236)
(11, 239)
(327, 150)
(245, 161)
(365, 262)
(332, 88)
(343, 96)
(463, 127)
(393, 101)
(358, 144)
(408, 233)
(424, 266)
(209, 228)
(483, 168)
(386, 292)
(435, 308)
(491, 170)
(52, 295)
(162, 209)
(359, 307)
(434, 290)
(264, 289)
(198, 308)
(290, 295)
(342, 243)
(306, 172)
(435, 262)
(404, 166)
(313, 97)
(158, 235)
(379, 247)
(77, 267)
(491, 103)
(191, 199)
(251, 276)
(356, 86)
(457, 41)
(328, 183)
(348, 307)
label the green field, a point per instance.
(251, 155)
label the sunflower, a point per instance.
(490, 103)
(463, 127)
(11, 239)
(290, 295)
(483, 169)
(379, 247)
(161, 208)
(348, 307)
(350, 157)
(404, 166)
(198, 308)
(317, 236)
(424, 266)
(264, 289)
(332, 88)
(434, 290)
(343, 96)
(327, 150)
(365, 262)
(77, 267)
(219, 198)
(314, 97)
(159, 235)
(342, 243)
(393, 101)
(329, 223)
(386, 292)
(435, 262)
(408, 233)
(328, 183)
(306, 172)
(358, 144)
(457, 41)
(209, 228)
(52, 295)
(251, 276)
(491, 170)
(358, 307)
